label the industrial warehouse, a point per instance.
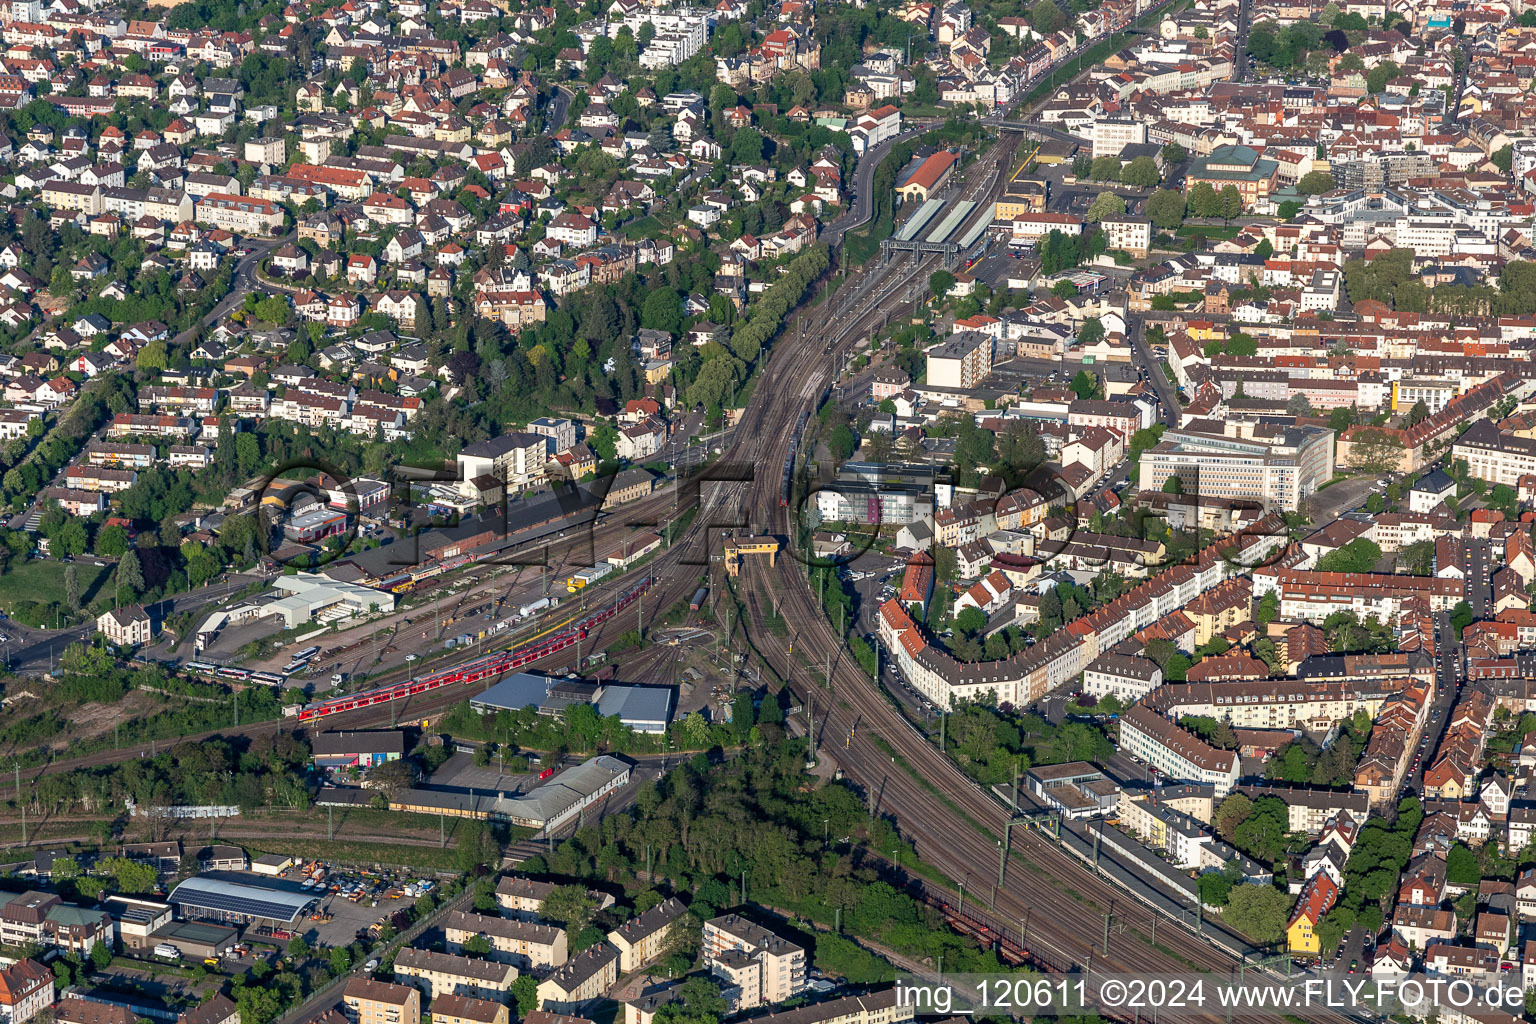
(544, 808)
(209, 898)
(642, 708)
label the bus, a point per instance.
(234, 673)
(305, 654)
(270, 678)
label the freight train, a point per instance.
(485, 667)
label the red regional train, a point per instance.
(484, 667)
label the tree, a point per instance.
(1359, 555)
(1174, 154)
(1315, 183)
(1231, 202)
(571, 905)
(1214, 889)
(476, 946)
(392, 777)
(971, 620)
(1299, 405)
(1203, 200)
(1262, 834)
(525, 991)
(273, 309)
(1377, 78)
(1091, 333)
(1461, 617)
(1085, 385)
(101, 956)
(1046, 18)
(1503, 158)
(1105, 168)
(663, 311)
(1141, 172)
(747, 146)
(72, 588)
(1259, 911)
(129, 577)
(940, 282)
(1166, 208)
(129, 876)
(477, 849)
(1173, 485)
(152, 357)
(1105, 204)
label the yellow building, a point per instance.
(1316, 900)
(644, 938)
(455, 1009)
(585, 978)
(365, 1001)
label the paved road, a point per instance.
(244, 281)
(1479, 592)
(554, 113)
(1447, 680)
(1240, 58)
(1343, 496)
(860, 190)
(38, 650)
(1151, 367)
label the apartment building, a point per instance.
(1177, 753)
(126, 627)
(1125, 677)
(645, 937)
(1495, 457)
(1280, 470)
(365, 1001)
(44, 919)
(1132, 234)
(1112, 134)
(526, 945)
(875, 1008)
(1309, 810)
(1313, 596)
(516, 461)
(26, 990)
(244, 215)
(442, 974)
(585, 977)
(560, 432)
(522, 897)
(765, 968)
(960, 361)
(456, 1009)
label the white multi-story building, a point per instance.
(1493, 456)
(960, 361)
(766, 968)
(1280, 471)
(1177, 753)
(1124, 677)
(1112, 134)
(515, 460)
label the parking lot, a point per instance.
(351, 901)
(460, 774)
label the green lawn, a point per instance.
(42, 582)
(645, 227)
(1209, 230)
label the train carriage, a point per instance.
(481, 668)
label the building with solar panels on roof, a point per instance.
(208, 898)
